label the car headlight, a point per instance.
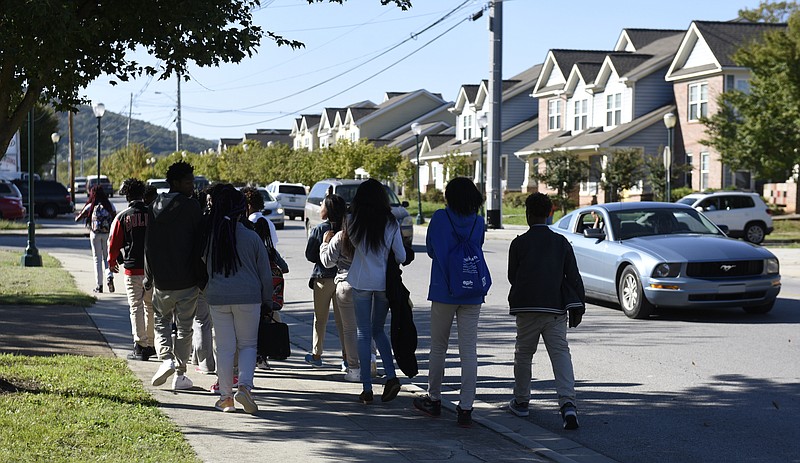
(773, 267)
(279, 210)
(666, 270)
(407, 221)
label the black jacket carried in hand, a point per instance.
(403, 332)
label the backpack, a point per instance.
(101, 219)
(466, 272)
(277, 286)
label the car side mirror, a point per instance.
(594, 233)
(724, 228)
(404, 204)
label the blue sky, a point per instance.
(360, 50)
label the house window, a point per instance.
(467, 127)
(353, 137)
(613, 109)
(554, 115)
(704, 166)
(581, 114)
(690, 164)
(698, 101)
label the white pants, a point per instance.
(235, 327)
(140, 302)
(99, 243)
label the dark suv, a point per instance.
(51, 198)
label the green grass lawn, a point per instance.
(785, 230)
(48, 284)
(13, 224)
(79, 409)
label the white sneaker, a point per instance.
(164, 371)
(353, 375)
(181, 382)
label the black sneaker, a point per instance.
(570, 416)
(519, 409)
(136, 353)
(390, 389)
(428, 406)
(99, 289)
(110, 282)
(366, 397)
(148, 352)
(464, 417)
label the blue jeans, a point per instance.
(371, 310)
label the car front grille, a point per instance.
(727, 297)
(724, 269)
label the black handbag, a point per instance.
(273, 338)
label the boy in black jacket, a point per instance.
(545, 287)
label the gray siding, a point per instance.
(516, 167)
(652, 92)
(652, 139)
(517, 109)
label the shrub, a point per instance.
(433, 195)
(678, 193)
(514, 198)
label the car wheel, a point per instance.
(754, 233)
(631, 296)
(48, 211)
(760, 309)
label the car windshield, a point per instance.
(687, 201)
(160, 184)
(348, 191)
(647, 222)
(267, 197)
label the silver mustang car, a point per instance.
(646, 255)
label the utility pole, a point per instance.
(70, 129)
(494, 193)
(130, 114)
(178, 134)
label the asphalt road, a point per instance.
(712, 386)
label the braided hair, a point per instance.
(227, 204)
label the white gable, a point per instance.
(700, 55)
(555, 77)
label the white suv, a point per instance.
(744, 214)
(292, 197)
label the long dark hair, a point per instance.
(336, 208)
(97, 195)
(261, 227)
(371, 213)
(227, 204)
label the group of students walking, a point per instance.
(178, 260)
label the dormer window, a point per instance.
(554, 114)
(581, 114)
(466, 129)
(613, 110)
(698, 101)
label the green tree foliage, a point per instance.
(382, 162)
(457, 165)
(656, 175)
(130, 162)
(623, 171)
(769, 12)
(563, 173)
(759, 130)
(52, 50)
(45, 123)
(406, 172)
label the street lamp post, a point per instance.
(99, 109)
(31, 258)
(483, 122)
(669, 122)
(417, 129)
(55, 137)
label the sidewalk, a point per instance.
(311, 415)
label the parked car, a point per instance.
(50, 199)
(161, 184)
(11, 207)
(200, 182)
(346, 188)
(91, 181)
(79, 185)
(292, 197)
(272, 209)
(648, 255)
(744, 214)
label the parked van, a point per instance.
(346, 188)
